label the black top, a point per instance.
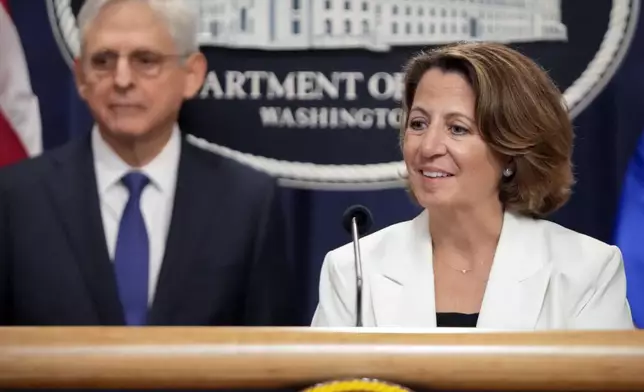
(460, 320)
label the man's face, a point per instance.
(131, 74)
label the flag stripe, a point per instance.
(11, 149)
(20, 128)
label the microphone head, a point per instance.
(363, 216)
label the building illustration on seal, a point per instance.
(374, 24)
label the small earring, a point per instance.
(507, 172)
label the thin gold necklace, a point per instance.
(463, 271)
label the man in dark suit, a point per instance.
(133, 225)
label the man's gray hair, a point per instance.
(180, 17)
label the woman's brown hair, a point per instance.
(520, 114)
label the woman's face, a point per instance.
(448, 162)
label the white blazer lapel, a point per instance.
(518, 280)
(402, 290)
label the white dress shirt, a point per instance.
(156, 200)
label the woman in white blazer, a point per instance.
(487, 145)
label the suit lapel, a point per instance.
(403, 282)
(75, 196)
(403, 279)
(518, 279)
(195, 193)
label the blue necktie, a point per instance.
(132, 254)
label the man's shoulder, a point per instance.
(234, 172)
(31, 170)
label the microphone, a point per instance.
(357, 220)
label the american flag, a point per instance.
(20, 125)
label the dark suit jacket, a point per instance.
(225, 261)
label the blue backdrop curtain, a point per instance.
(607, 133)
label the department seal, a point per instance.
(309, 90)
(357, 385)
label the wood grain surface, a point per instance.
(199, 358)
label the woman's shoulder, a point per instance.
(375, 245)
(587, 277)
(569, 247)
(559, 235)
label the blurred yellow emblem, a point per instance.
(357, 385)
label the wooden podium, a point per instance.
(214, 358)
